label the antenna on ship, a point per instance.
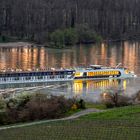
(118, 65)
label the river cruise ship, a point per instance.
(54, 75)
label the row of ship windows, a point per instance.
(36, 74)
(103, 73)
(33, 78)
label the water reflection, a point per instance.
(98, 86)
(28, 57)
(92, 90)
(89, 90)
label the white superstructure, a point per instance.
(101, 72)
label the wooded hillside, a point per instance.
(33, 19)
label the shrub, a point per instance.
(5, 38)
(70, 36)
(115, 100)
(22, 100)
(12, 115)
(57, 38)
(2, 38)
(86, 35)
(12, 103)
(39, 106)
(81, 104)
(2, 104)
(4, 118)
(136, 98)
(74, 107)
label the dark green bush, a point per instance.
(4, 119)
(87, 35)
(5, 38)
(57, 39)
(81, 104)
(2, 104)
(71, 36)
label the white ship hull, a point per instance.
(34, 81)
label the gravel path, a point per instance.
(74, 116)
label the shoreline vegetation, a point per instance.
(33, 107)
(61, 38)
(34, 115)
(81, 34)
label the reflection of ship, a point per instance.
(80, 86)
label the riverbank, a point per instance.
(16, 44)
(119, 123)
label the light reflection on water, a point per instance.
(28, 57)
(89, 90)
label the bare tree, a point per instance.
(34, 19)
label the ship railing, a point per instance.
(33, 70)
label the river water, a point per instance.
(28, 57)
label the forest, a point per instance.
(35, 19)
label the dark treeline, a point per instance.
(34, 19)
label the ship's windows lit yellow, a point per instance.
(126, 71)
(98, 73)
(78, 74)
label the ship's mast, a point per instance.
(118, 65)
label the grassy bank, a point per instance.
(116, 124)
